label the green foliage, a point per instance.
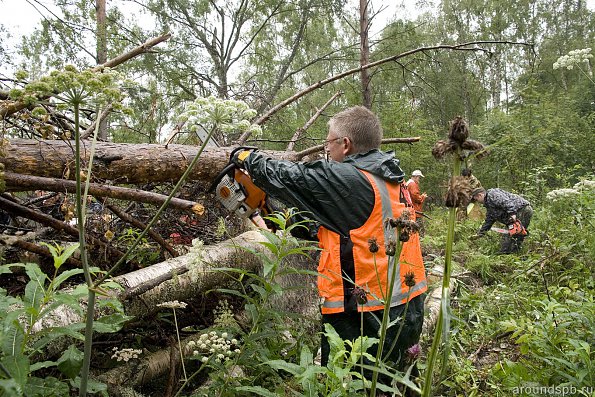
(527, 321)
(144, 252)
(26, 338)
(274, 347)
(556, 339)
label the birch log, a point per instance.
(193, 274)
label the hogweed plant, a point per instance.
(173, 305)
(69, 89)
(458, 147)
(576, 58)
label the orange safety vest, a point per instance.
(347, 263)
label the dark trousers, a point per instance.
(348, 326)
(512, 244)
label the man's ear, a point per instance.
(347, 146)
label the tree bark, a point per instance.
(129, 163)
(118, 162)
(364, 57)
(101, 36)
(19, 182)
(180, 278)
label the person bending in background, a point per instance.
(351, 197)
(507, 208)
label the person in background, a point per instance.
(351, 197)
(509, 209)
(417, 197)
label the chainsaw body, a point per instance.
(235, 190)
(240, 195)
(517, 228)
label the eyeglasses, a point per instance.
(326, 143)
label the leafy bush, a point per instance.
(27, 343)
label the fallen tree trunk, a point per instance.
(138, 372)
(20, 182)
(126, 163)
(118, 162)
(182, 278)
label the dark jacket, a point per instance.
(338, 195)
(500, 206)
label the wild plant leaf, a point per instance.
(310, 375)
(6, 269)
(8, 302)
(47, 387)
(50, 334)
(65, 275)
(271, 247)
(293, 369)
(231, 292)
(261, 291)
(93, 387)
(35, 291)
(71, 362)
(306, 357)
(257, 390)
(13, 339)
(66, 253)
(10, 387)
(268, 267)
(42, 364)
(17, 366)
(63, 299)
(111, 323)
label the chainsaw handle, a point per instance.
(229, 167)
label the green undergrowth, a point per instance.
(524, 324)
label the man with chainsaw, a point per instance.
(351, 196)
(508, 208)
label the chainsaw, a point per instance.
(235, 190)
(514, 229)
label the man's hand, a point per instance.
(239, 155)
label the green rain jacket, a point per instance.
(337, 195)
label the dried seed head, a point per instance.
(360, 295)
(459, 192)
(459, 132)
(391, 248)
(471, 144)
(442, 148)
(404, 235)
(410, 279)
(373, 245)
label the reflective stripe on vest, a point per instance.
(371, 270)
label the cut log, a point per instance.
(126, 163)
(118, 162)
(183, 277)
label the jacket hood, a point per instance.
(382, 164)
